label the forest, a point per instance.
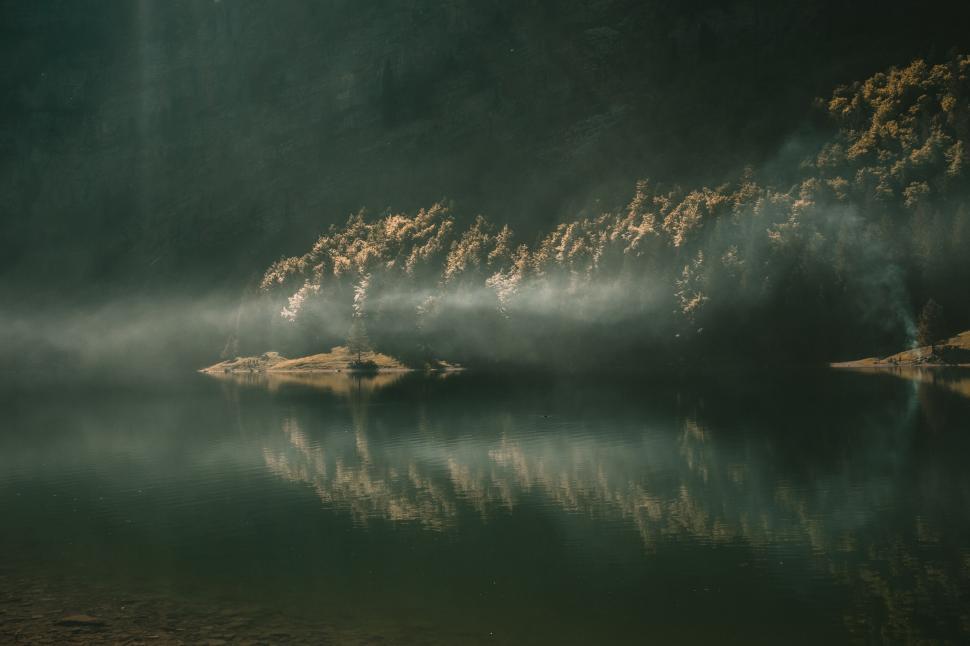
(838, 261)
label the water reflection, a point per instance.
(335, 383)
(956, 380)
(664, 475)
(846, 483)
(792, 509)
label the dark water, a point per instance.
(470, 509)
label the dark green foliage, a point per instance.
(931, 327)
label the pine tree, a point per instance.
(930, 327)
(357, 339)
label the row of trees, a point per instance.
(833, 266)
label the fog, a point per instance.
(158, 157)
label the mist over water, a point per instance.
(164, 335)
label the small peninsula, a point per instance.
(952, 352)
(339, 359)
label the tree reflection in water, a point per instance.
(845, 474)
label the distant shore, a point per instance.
(951, 353)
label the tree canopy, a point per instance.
(828, 266)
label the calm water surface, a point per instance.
(469, 509)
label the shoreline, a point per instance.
(212, 371)
(949, 353)
(340, 360)
(882, 364)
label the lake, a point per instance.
(475, 509)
